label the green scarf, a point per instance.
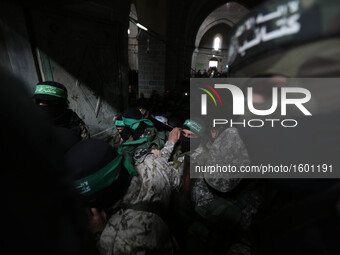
(156, 138)
(133, 123)
(103, 178)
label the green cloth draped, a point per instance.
(133, 123)
(155, 139)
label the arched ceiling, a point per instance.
(208, 38)
(228, 13)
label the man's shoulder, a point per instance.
(73, 116)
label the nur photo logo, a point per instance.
(242, 102)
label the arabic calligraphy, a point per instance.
(285, 19)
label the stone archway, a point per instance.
(228, 14)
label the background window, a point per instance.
(217, 42)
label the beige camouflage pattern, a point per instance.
(228, 148)
(138, 232)
(178, 158)
(84, 131)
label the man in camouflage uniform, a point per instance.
(138, 224)
(298, 39)
(209, 218)
(136, 221)
(226, 148)
(51, 99)
(225, 204)
(189, 150)
(190, 144)
(142, 136)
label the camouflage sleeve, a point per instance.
(227, 149)
(233, 149)
(135, 232)
(167, 150)
(84, 131)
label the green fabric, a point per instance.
(50, 90)
(194, 126)
(133, 123)
(119, 123)
(131, 143)
(155, 138)
(103, 178)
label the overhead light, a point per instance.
(128, 31)
(141, 26)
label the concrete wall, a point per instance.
(132, 40)
(151, 62)
(15, 47)
(151, 46)
(87, 53)
(83, 45)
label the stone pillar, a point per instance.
(151, 62)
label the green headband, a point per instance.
(50, 90)
(194, 126)
(133, 123)
(104, 177)
(119, 123)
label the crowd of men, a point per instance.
(137, 189)
(212, 72)
(68, 193)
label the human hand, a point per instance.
(157, 152)
(97, 220)
(174, 135)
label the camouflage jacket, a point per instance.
(178, 159)
(228, 148)
(84, 131)
(130, 231)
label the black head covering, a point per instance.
(126, 132)
(191, 143)
(86, 158)
(134, 113)
(34, 181)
